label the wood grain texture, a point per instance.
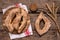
(40, 3)
(50, 35)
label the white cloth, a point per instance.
(14, 36)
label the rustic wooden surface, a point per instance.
(40, 3)
(50, 35)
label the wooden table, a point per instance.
(50, 35)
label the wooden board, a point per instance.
(50, 35)
(40, 3)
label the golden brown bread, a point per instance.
(46, 26)
(15, 20)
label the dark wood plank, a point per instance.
(50, 35)
(40, 3)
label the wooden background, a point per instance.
(50, 35)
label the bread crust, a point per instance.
(15, 20)
(46, 26)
